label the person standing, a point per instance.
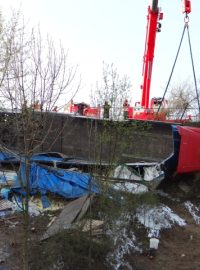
(106, 110)
(125, 108)
(80, 108)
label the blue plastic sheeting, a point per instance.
(45, 201)
(3, 156)
(45, 158)
(68, 184)
(7, 156)
(4, 192)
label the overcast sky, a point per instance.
(113, 31)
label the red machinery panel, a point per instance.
(189, 155)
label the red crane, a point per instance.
(154, 17)
(153, 26)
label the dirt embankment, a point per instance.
(179, 247)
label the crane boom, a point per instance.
(153, 26)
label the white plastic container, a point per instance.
(154, 243)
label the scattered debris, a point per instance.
(130, 187)
(194, 211)
(145, 174)
(18, 206)
(6, 208)
(153, 172)
(154, 219)
(51, 222)
(153, 243)
(7, 178)
(61, 182)
(71, 212)
(94, 225)
(123, 172)
(6, 205)
(33, 209)
(54, 205)
(4, 192)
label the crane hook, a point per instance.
(186, 19)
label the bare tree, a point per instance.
(113, 88)
(34, 76)
(182, 101)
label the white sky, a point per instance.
(114, 31)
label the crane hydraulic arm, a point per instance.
(153, 26)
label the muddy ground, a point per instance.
(179, 247)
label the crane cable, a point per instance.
(172, 69)
(186, 26)
(194, 74)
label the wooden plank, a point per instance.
(69, 214)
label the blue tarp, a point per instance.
(3, 156)
(69, 184)
(45, 158)
(7, 156)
